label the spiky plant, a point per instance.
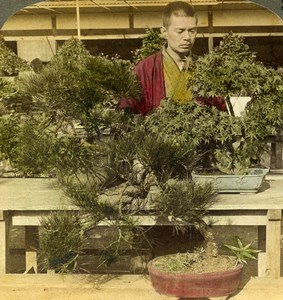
(61, 242)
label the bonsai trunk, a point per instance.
(211, 248)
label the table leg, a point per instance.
(273, 241)
(262, 255)
(4, 242)
(31, 237)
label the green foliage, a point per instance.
(151, 43)
(36, 148)
(242, 252)
(184, 200)
(61, 242)
(50, 104)
(230, 69)
(79, 159)
(130, 235)
(40, 136)
(85, 195)
(7, 89)
(86, 92)
(157, 154)
(201, 128)
(28, 144)
(72, 53)
(127, 233)
(9, 137)
(10, 63)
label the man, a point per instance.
(167, 73)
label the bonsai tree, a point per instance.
(231, 69)
(75, 90)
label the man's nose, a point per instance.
(187, 35)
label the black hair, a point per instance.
(177, 8)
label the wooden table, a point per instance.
(24, 201)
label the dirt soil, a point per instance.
(195, 263)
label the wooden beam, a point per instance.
(78, 20)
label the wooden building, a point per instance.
(117, 26)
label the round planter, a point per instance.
(186, 285)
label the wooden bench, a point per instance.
(24, 202)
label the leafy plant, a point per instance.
(151, 43)
(231, 69)
(61, 242)
(242, 252)
(10, 63)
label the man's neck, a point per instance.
(177, 57)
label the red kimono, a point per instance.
(149, 71)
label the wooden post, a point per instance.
(278, 151)
(4, 243)
(31, 239)
(273, 241)
(78, 19)
(262, 255)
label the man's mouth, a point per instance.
(186, 46)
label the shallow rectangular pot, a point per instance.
(232, 183)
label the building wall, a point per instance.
(43, 49)
(37, 35)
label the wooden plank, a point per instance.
(236, 220)
(273, 241)
(43, 195)
(26, 220)
(274, 215)
(261, 262)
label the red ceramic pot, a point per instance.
(186, 285)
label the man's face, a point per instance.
(181, 34)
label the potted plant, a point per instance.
(196, 275)
(232, 71)
(231, 145)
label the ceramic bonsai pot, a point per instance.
(186, 285)
(232, 183)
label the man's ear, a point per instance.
(163, 32)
